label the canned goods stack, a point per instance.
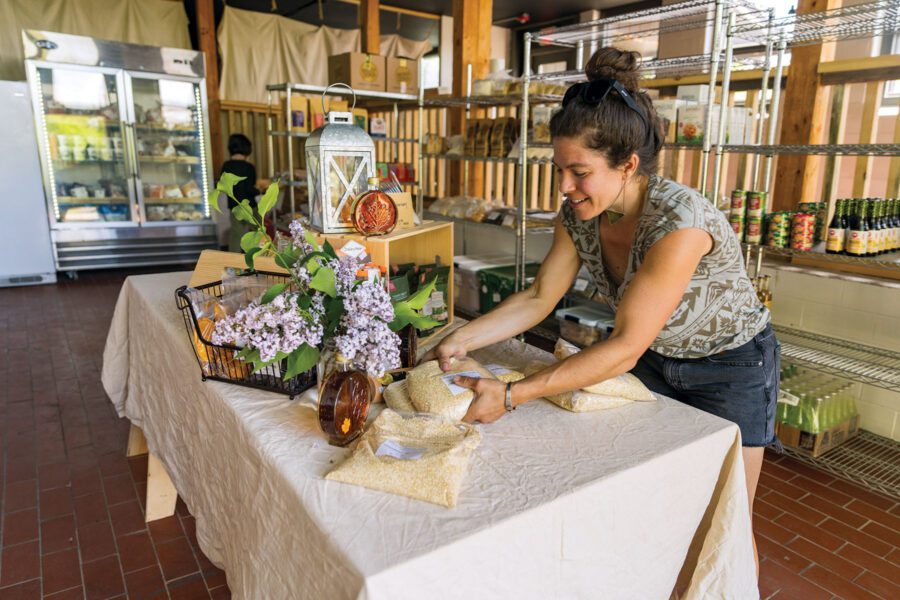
(803, 227)
(818, 210)
(778, 234)
(753, 232)
(756, 204)
(738, 210)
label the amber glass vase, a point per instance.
(345, 394)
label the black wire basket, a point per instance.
(218, 362)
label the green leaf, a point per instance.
(268, 200)
(259, 365)
(311, 240)
(226, 184)
(251, 240)
(213, 199)
(304, 301)
(249, 354)
(404, 315)
(323, 280)
(312, 255)
(273, 292)
(329, 249)
(284, 260)
(301, 360)
(417, 301)
(243, 212)
(249, 254)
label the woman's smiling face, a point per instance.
(589, 184)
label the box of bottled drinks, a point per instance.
(815, 412)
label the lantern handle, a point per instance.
(352, 91)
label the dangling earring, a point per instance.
(612, 214)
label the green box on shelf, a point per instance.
(498, 283)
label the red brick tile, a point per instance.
(146, 584)
(61, 571)
(20, 527)
(863, 540)
(773, 483)
(119, 488)
(885, 568)
(20, 495)
(886, 534)
(781, 554)
(834, 511)
(164, 530)
(791, 585)
(188, 588)
(220, 593)
(773, 531)
(86, 481)
(836, 584)
(58, 534)
(778, 471)
(873, 498)
(20, 563)
(55, 503)
(75, 593)
(30, 590)
(95, 540)
(54, 475)
(214, 577)
(764, 509)
(829, 560)
(114, 463)
(878, 585)
(823, 491)
(798, 508)
(20, 469)
(136, 551)
(176, 559)
(813, 533)
(138, 467)
(876, 514)
(806, 470)
(102, 578)
(127, 518)
(895, 510)
(90, 509)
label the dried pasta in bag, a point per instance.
(625, 385)
(433, 391)
(417, 456)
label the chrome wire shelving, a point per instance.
(819, 149)
(852, 360)
(493, 159)
(486, 101)
(890, 261)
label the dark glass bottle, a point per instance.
(344, 398)
(836, 231)
(859, 230)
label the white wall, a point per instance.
(858, 309)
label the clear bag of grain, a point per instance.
(396, 396)
(504, 373)
(584, 400)
(625, 385)
(433, 391)
(414, 455)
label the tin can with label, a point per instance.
(753, 234)
(803, 231)
(738, 202)
(756, 204)
(737, 224)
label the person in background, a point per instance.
(240, 147)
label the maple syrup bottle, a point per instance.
(374, 213)
(344, 399)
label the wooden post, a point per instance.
(206, 37)
(137, 443)
(161, 493)
(471, 46)
(370, 26)
(804, 119)
(867, 135)
(893, 182)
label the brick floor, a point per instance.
(72, 505)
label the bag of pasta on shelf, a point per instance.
(414, 455)
(433, 391)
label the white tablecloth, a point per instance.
(560, 505)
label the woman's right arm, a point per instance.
(521, 311)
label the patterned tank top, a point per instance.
(719, 310)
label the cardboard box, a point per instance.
(689, 41)
(817, 444)
(358, 70)
(667, 111)
(698, 94)
(299, 113)
(318, 117)
(402, 75)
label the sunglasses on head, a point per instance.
(594, 92)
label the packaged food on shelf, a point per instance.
(778, 229)
(503, 135)
(359, 70)
(803, 227)
(467, 285)
(402, 75)
(498, 283)
(483, 137)
(191, 189)
(584, 325)
(540, 120)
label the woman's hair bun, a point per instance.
(612, 63)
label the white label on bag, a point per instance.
(788, 398)
(398, 450)
(455, 389)
(497, 370)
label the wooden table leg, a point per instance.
(137, 443)
(161, 492)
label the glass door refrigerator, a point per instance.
(124, 147)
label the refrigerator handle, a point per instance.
(131, 158)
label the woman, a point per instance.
(688, 322)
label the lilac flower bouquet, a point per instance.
(322, 302)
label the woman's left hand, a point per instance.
(489, 402)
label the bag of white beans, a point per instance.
(414, 455)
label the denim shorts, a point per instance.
(740, 385)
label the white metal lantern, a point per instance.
(340, 158)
